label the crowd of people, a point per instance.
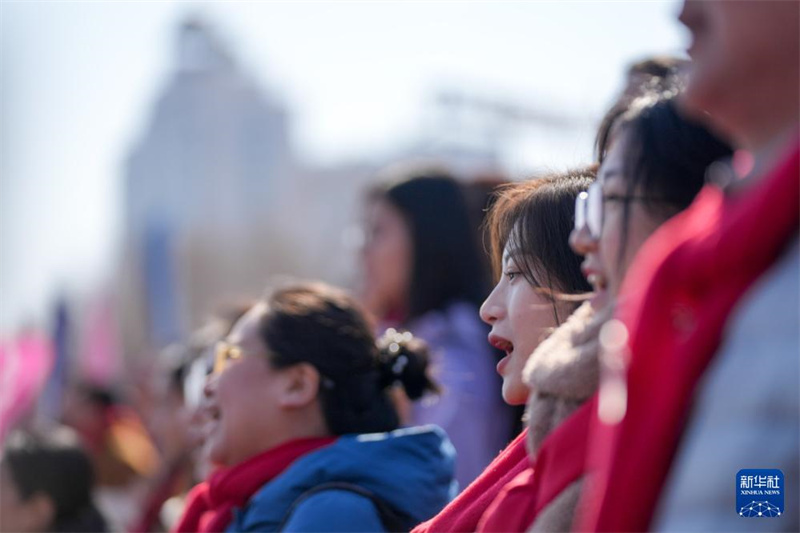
(643, 311)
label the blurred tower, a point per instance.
(200, 192)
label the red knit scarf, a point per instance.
(464, 512)
(209, 505)
(681, 290)
(560, 462)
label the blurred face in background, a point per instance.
(608, 256)
(169, 419)
(521, 318)
(386, 258)
(85, 416)
(745, 64)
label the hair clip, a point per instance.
(399, 365)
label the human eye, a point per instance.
(615, 198)
(511, 274)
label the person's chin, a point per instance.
(691, 101)
(515, 397)
(219, 460)
(599, 299)
(215, 450)
(703, 96)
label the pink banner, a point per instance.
(25, 364)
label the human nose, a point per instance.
(581, 240)
(688, 14)
(491, 310)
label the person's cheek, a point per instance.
(610, 243)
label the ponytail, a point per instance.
(403, 359)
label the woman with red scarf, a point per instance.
(300, 422)
(710, 386)
(653, 163)
(529, 225)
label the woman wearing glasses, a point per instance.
(303, 429)
(653, 163)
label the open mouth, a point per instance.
(593, 273)
(209, 428)
(501, 344)
(596, 280)
(212, 415)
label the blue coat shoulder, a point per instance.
(410, 470)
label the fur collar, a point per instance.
(563, 371)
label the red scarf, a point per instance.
(560, 462)
(209, 505)
(681, 290)
(463, 513)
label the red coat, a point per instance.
(678, 296)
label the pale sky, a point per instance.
(77, 81)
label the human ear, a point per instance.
(300, 386)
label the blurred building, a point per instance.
(217, 203)
(201, 186)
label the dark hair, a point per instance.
(653, 74)
(537, 216)
(56, 466)
(666, 155)
(447, 264)
(320, 325)
(480, 196)
(659, 66)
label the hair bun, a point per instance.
(404, 359)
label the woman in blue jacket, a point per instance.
(301, 422)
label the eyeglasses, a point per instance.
(589, 210)
(224, 353)
(589, 207)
